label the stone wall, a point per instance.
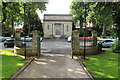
(77, 51)
(90, 51)
(21, 51)
(75, 43)
(36, 43)
(33, 50)
(17, 39)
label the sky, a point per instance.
(56, 7)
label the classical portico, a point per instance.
(57, 25)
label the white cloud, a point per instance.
(57, 7)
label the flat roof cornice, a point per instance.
(57, 15)
(58, 20)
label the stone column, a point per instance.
(75, 43)
(53, 29)
(94, 37)
(63, 30)
(36, 50)
(17, 38)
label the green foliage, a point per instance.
(25, 30)
(104, 65)
(7, 32)
(88, 32)
(116, 47)
(13, 12)
(10, 63)
(32, 20)
(77, 9)
(102, 14)
(116, 18)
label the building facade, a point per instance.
(57, 25)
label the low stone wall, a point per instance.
(20, 51)
(90, 51)
(76, 50)
(31, 50)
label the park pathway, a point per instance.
(54, 66)
(54, 62)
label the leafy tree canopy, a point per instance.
(18, 12)
(102, 14)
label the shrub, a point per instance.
(116, 47)
(7, 32)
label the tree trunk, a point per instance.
(4, 15)
(29, 21)
(12, 27)
(104, 31)
(118, 33)
(81, 25)
(0, 30)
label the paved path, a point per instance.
(60, 46)
(55, 62)
(54, 66)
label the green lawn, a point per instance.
(10, 63)
(104, 65)
(7, 37)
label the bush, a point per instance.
(31, 34)
(116, 47)
(7, 32)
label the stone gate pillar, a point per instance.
(94, 37)
(36, 49)
(75, 43)
(17, 38)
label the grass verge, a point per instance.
(104, 65)
(10, 63)
(7, 37)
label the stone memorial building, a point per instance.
(57, 25)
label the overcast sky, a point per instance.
(57, 7)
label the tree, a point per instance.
(78, 11)
(10, 14)
(13, 12)
(116, 18)
(108, 15)
(103, 15)
(97, 12)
